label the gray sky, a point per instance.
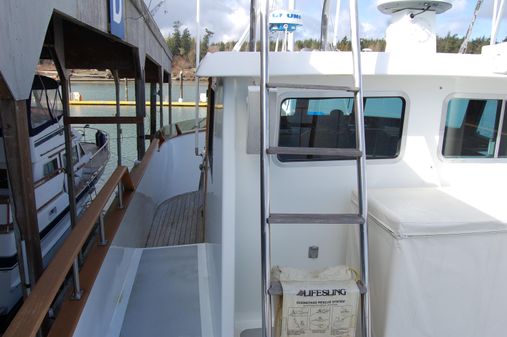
(229, 18)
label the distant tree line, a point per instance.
(182, 45)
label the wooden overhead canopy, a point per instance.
(88, 48)
(151, 71)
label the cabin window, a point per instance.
(330, 123)
(4, 180)
(45, 106)
(75, 157)
(471, 128)
(51, 167)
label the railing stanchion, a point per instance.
(102, 232)
(78, 292)
(120, 195)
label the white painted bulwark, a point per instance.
(173, 170)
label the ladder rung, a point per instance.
(311, 86)
(276, 288)
(316, 151)
(299, 218)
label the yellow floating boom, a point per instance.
(133, 103)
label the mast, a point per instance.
(253, 25)
(324, 25)
(464, 45)
(495, 21)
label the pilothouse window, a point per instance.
(45, 106)
(330, 123)
(471, 128)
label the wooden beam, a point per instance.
(153, 109)
(118, 114)
(14, 122)
(102, 120)
(169, 95)
(82, 46)
(161, 97)
(4, 89)
(32, 313)
(140, 105)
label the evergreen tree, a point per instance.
(205, 42)
(186, 42)
(175, 46)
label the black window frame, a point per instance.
(314, 158)
(500, 128)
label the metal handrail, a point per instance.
(103, 147)
(267, 314)
(361, 167)
(29, 318)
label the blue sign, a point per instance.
(116, 18)
(282, 27)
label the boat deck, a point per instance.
(178, 221)
(93, 168)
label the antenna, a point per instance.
(156, 8)
(464, 45)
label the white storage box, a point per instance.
(438, 262)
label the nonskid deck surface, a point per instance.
(150, 292)
(165, 296)
(178, 221)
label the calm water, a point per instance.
(105, 91)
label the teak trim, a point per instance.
(31, 315)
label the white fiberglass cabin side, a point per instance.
(459, 96)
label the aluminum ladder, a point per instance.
(358, 154)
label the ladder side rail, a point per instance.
(361, 166)
(264, 173)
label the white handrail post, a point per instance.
(102, 232)
(78, 292)
(120, 195)
(264, 173)
(197, 60)
(361, 165)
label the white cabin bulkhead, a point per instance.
(430, 92)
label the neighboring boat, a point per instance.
(194, 259)
(50, 185)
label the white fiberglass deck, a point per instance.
(152, 292)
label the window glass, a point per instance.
(4, 184)
(330, 123)
(45, 106)
(471, 127)
(50, 167)
(75, 157)
(503, 138)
